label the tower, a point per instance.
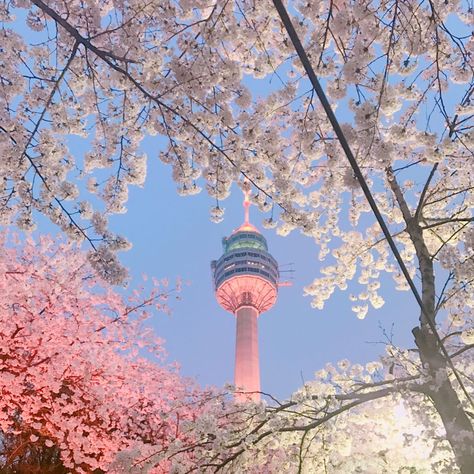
(246, 284)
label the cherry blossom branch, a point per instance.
(467, 347)
(445, 242)
(359, 400)
(355, 397)
(424, 191)
(105, 56)
(57, 200)
(449, 220)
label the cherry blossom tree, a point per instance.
(400, 71)
(78, 392)
(349, 419)
(377, 417)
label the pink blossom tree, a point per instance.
(78, 393)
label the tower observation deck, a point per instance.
(246, 284)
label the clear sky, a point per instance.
(172, 236)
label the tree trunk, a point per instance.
(459, 431)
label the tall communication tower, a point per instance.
(246, 284)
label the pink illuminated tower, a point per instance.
(246, 284)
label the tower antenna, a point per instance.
(246, 190)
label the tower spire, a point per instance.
(246, 204)
(246, 226)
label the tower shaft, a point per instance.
(247, 370)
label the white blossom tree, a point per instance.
(349, 419)
(401, 71)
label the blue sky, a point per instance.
(172, 236)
